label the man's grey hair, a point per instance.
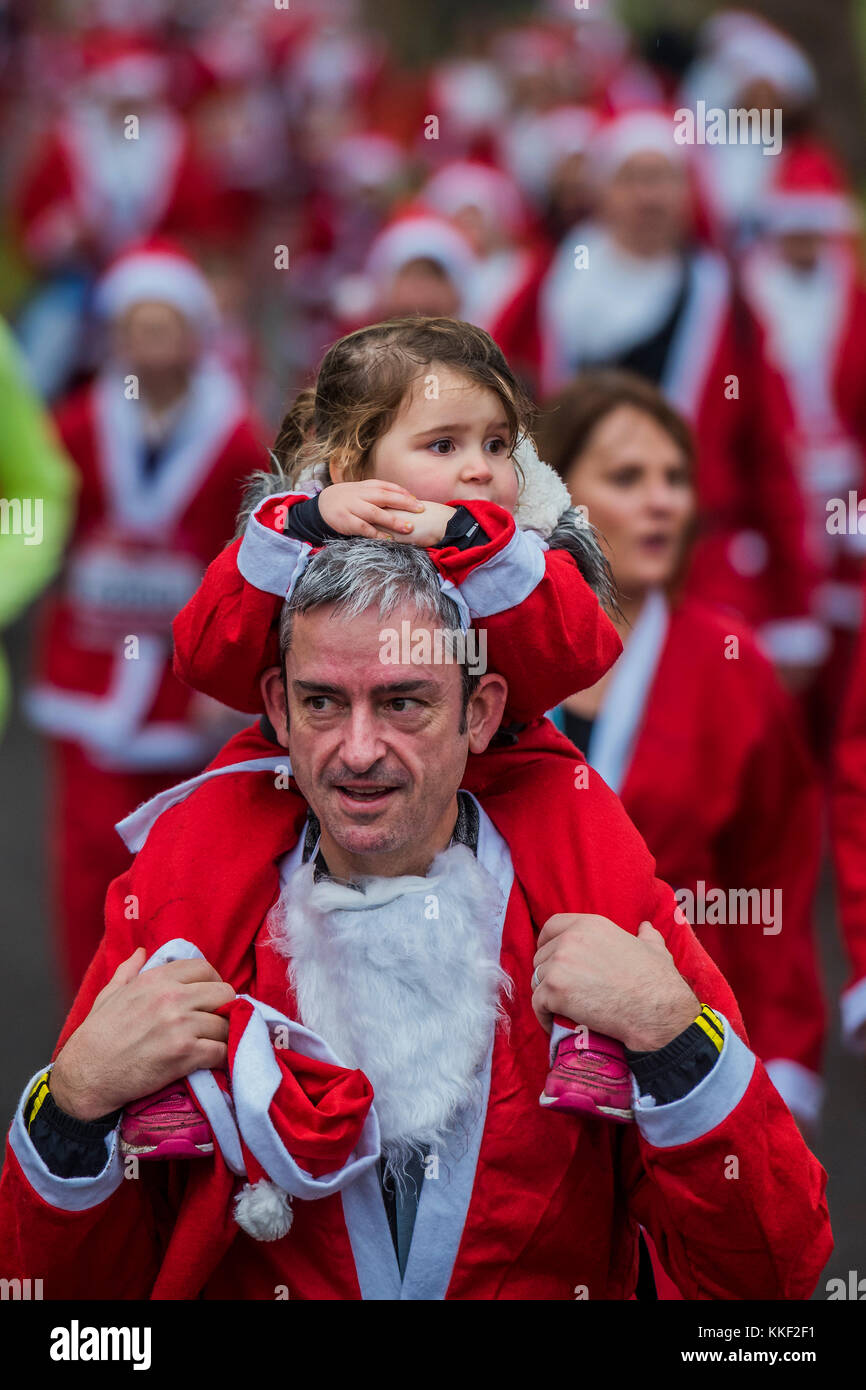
(357, 574)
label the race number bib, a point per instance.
(116, 591)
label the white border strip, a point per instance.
(135, 828)
(852, 1007)
(268, 561)
(801, 1090)
(507, 578)
(620, 719)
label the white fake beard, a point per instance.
(409, 997)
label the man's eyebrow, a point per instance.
(320, 687)
(418, 686)
(409, 687)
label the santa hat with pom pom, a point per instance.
(292, 1122)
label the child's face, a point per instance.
(449, 441)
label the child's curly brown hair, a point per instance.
(362, 382)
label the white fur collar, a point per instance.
(400, 976)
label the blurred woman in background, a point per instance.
(693, 729)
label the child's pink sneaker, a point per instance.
(167, 1124)
(590, 1076)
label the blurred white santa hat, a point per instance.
(157, 271)
(632, 133)
(534, 148)
(742, 48)
(421, 236)
(808, 196)
(471, 94)
(469, 183)
(366, 160)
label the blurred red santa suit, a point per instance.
(100, 178)
(674, 318)
(157, 500)
(804, 284)
(848, 822)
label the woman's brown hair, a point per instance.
(567, 421)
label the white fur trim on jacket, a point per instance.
(506, 579)
(136, 827)
(800, 1089)
(271, 562)
(543, 494)
(852, 1007)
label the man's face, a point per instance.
(376, 747)
(646, 203)
(155, 341)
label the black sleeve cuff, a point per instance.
(673, 1071)
(304, 523)
(463, 532)
(69, 1147)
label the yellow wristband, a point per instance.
(38, 1092)
(712, 1025)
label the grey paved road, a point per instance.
(30, 1015)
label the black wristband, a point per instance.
(74, 1128)
(69, 1147)
(671, 1072)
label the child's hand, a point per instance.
(368, 508)
(429, 528)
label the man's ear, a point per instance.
(485, 710)
(274, 696)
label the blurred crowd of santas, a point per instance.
(205, 197)
(319, 187)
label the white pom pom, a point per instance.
(263, 1210)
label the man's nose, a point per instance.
(361, 745)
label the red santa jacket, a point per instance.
(848, 823)
(530, 1207)
(817, 344)
(66, 205)
(104, 674)
(712, 768)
